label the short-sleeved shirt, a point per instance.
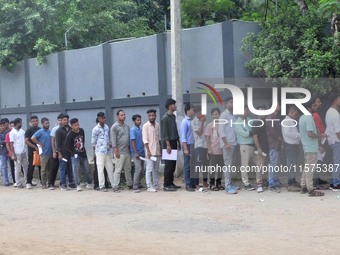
(44, 137)
(332, 125)
(7, 140)
(28, 134)
(212, 133)
(260, 131)
(227, 130)
(200, 141)
(3, 149)
(306, 123)
(136, 134)
(75, 143)
(17, 137)
(290, 133)
(186, 131)
(151, 136)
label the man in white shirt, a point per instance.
(19, 153)
(291, 138)
(333, 133)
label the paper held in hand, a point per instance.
(171, 156)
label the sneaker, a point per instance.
(103, 190)
(248, 187)
(34, 183)
(72, 186)
(20, 186)
(116, 190)
(151, 189)
(89, 186)
(335, 188)
(231, 190)
(259, 189)
(64, 188)
(15, 185)
(304, 190)
(175, 186)
(136, 190)
(50, 187)
(235, 187)
(79, 188)
(7, 184)
(130, 187)
(28, 186)
(169, 188)
(121, 188)
(274, 189)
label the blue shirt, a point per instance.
(187, 135)
(101, 139)
(306, 123)
(136, 134)
(3, 150)
(44, 137)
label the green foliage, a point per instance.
(293, 46)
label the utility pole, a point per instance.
(176, 68)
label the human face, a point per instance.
(172, 107)
(59, 121)
(19, 125)
(137, 122)
(64, 122)
(2, 127)
(121, 116)
(152, 117)
(75, 127)
(34, 122)
(229, 105)
(102, 120)
(46, 124)
(296, 115)
(317, 103)
(246, 112)
(215, 115)
(190, 113)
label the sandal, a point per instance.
(315, 193)
(221, 187)
(214, 188)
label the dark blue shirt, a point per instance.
(136, 134)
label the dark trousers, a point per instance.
(54, 173)
(95, 175)
(31, 168)
(11, 163)
(214, 161)
(201, 159)
(169, 166)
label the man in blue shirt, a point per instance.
(43, 139)
(187, 140)
(137, 151)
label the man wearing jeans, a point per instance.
(333, 133)
(100, 141)
(151, 140)
(120, 140)
(75, 144)
(3, 154)
(291, 137)
(137, 151)
(228, 143)
(43, 138)
(19, 153)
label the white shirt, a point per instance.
(332, 125)
(200, 141)
(290, 134)
(18, 139)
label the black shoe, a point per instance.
(169, 188)
(191, 189)
(322, 182)
(175, 186)
(130, 187)
(72, 186)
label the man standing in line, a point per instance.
(151, 140)
(18, 153)
(43, 138)
(170, 140)
(120, 140)
(137, 151)
(333, 137)
(31, 147)
(55, 167)
(3, 154)
(100, 141)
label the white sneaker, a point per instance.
(34, 183)
(259, 189)
(28, 186)
(151, 189)
(79, 188)
(89, 186)
(15, 185)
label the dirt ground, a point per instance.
(90, 222)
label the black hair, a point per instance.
(44, 119)
(73, 121)
(169, 102)
(2, 122)
(308, 105)
(136, 116)
(187, 107)
(66, 116)
(215, 109)
(34, 117)
(150, 111)
(16, 121)
(228, 99)
(100, 114)
(119, 111)
(5, 120)
(60, 116)
(11, 122)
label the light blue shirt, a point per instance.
(227, 130)
(306, 123)
(187, 135)
(242, 130)
(44, 137)
(100, 139)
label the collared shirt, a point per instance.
(273, 132)
(151, 136)
(186, 131)
(44, 137)
(242, 130)
(120, 137)
(28, 134)
(260, 130)
(53, 131)
(17, 137)
(290, 134)
(200, 141)
(60, 137)
(169, 127)
(212, 133)
(100, 139)
(227, 130)
(306, 123)
(333, 125)
(136, 134)
(3, 149)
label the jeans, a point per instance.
(336, 160)
(228, 160)
(137, 176)
(66, 169)
(273, 163)
(292, 153)
(189, 181)
(3, 166)
(152, 168)
(84, 164)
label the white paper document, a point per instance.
(171, 156)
